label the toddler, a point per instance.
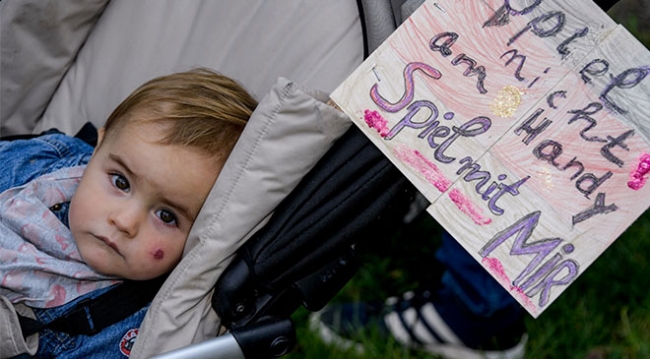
(75, 220)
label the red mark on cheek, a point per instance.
(158, 254)
(638, 176)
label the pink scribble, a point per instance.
(434, 175)
(466, 206)
(494, 265)
(638, 176)
(376, 121)
(428, 169)
(496, 268)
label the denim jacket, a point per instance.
(23, 160)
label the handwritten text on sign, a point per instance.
(525, 123)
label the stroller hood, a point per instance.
(287, 134)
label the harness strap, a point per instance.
(92, 315)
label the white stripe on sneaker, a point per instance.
(438, 324)
(396, 329)
(410, 322)
(421, 331)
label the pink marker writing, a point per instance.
(466, 206)
(375, 120)
(638, 176)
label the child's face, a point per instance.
(137, 201)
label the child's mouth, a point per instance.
(109, 243)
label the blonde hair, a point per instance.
(199, 108)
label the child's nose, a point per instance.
(126, 220)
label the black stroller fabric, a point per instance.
(353, 194)
(350, 188)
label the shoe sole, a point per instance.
(456, 352)
(446, 351)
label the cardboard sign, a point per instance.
(526, 124)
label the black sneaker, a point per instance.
(420, 321)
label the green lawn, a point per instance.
(606, 312)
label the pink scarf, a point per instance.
(40, 264)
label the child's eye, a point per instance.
(120, 182)
(166, 216)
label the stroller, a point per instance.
(301, 187)
(86, 56)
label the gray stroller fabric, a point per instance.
(288, 115)
(382, 17)
(290, 131)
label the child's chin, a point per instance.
(103, 270)
(99, 262)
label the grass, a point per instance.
(604, 314)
